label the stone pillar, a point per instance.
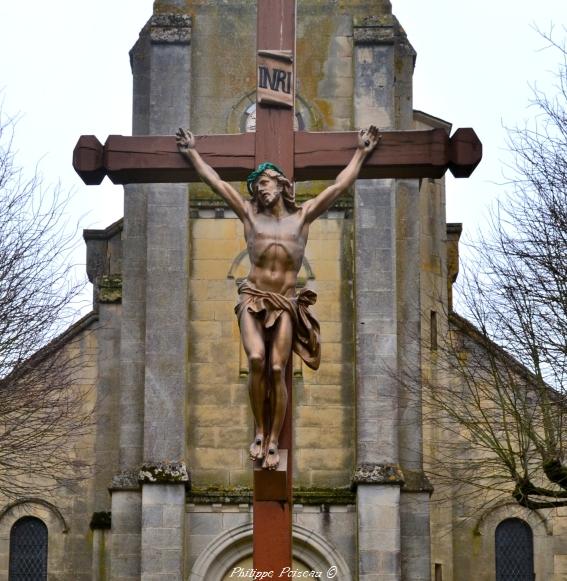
(414, 501)
(126, 498)
(163, 509)
(377, 476)
(126, 526)
(154, 326)
(104, 260)
(101, 556)
(163, 473)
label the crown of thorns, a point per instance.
(251, 179)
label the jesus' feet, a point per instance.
(272, 458)
(257, 448)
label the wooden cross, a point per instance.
(302, 156)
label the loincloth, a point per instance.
(268, 307)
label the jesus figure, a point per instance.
(274, 318)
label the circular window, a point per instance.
(250, 119)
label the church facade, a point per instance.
(169, 497)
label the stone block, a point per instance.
(206, 374)
(223, 310)
(223, 249)
(324, 458)
(151, 560)
(238, 436)
(221, 290)
(198, 289)
(229, 329)
(206, 330)
(163, 495)
(161, 538)
(313, 416)
(333, 332)
(325, 478)
(215, 229)
(332, 373)
(343, 46)
(210, 458)
(232, 520)
(201, 311)
(241, 478)
(330, 395)
(327, 270)
(306, 437)
(213, 416)
(126, 566)
(212, 477)
(327, 311)
(197, 543)
(201, 437)
(209, 269)
(173, 516)
(152, 516)
(205, 523)
(217, 394)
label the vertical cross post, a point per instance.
(275, 143)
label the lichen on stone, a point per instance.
(163, 473)
(110, 288)
(378, 474)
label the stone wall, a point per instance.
(67, 511)
(220, 420)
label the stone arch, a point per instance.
(39, 502)
(234, 545)
(50, 515)
(540, 523)
(501, 512)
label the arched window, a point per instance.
(514, 546)
(28, 550)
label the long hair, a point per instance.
(288, 191)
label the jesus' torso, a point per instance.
(276, 246)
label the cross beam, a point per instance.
(322, 155)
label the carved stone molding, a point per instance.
(377, 474)
(164, 473)
(416, 481)
(374, 30)
(170, 28)
(127, 480)
(109, 288)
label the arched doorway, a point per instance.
(514, 549)
(233, 548)
(28, 550)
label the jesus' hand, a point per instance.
(185, 140)
(368, 139)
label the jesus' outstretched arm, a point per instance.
(367, 141)
(186, 145)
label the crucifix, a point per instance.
(299, 156)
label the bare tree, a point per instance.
(500, 411)
(42, 412)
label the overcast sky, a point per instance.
(64, 69)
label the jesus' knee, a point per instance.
(256, 363)
(278, 371)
